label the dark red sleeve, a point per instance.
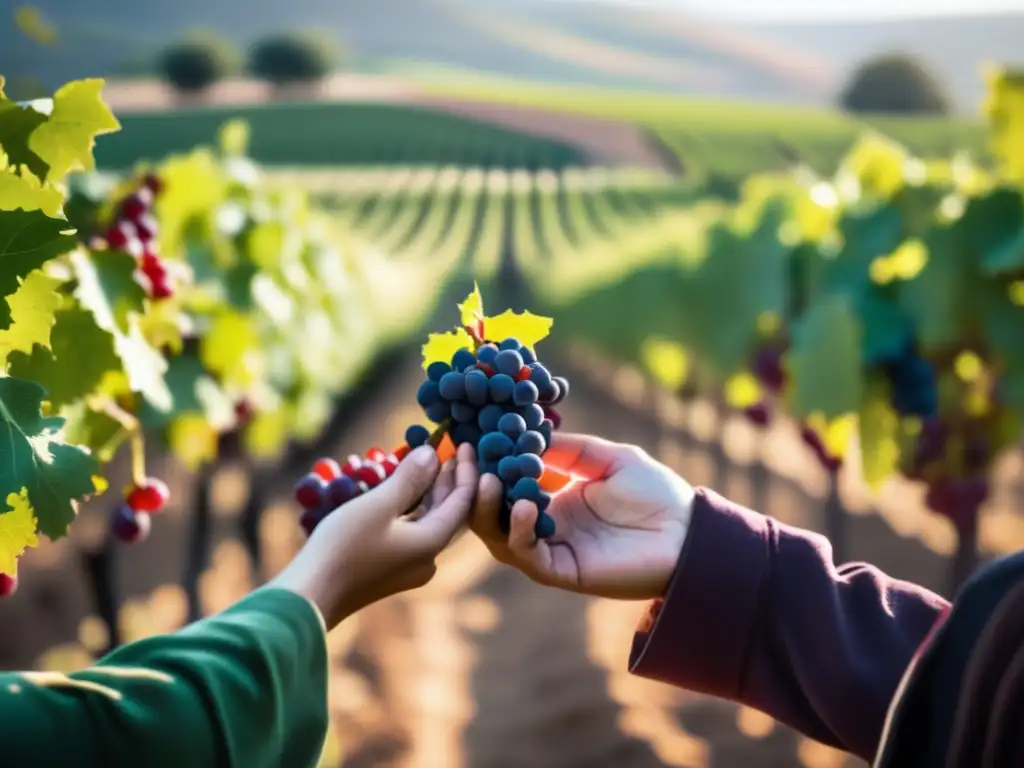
(758, 613)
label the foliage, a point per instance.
(197, 62)
(274, 308)
(296, 57)
(894, 83)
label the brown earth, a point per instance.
(482, 668)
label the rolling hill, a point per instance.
(591, 43)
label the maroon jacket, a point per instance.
(758, 613)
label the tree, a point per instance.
(197, 62)
(895, 83)
(295, 58)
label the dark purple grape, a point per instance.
(309, 491)
(439, 411)
(528, 356)
(510, 344)
(544, 528)
(526, 489)
(768, 368)
(533, 415)
(486, 354)
(477, 387)
(495, 446)
(509, 470)
(463, 412)
(512, 425)
(489, 417)
(416, 435)
(340, 490)
(428, 394)
(563, 389)
(435, 371)
(525, 393)
(758, 414)
(462, 359)
(501, 387)
(130, 526)
(508, 362)
(467, 433)
(452, 386)
(530, 465)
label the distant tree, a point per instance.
(293, 59)
(895, 83)
(197, 62)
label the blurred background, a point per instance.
(513, 142)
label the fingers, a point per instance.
(484, 519)
(585, 455)
(412, 480)
(526, 547)
(451, 507)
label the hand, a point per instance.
(385, 541)
(620, 527)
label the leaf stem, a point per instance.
(131, 425)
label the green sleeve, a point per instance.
(247, 687)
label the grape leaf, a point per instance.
(824, 360)
(193, 440)
(441, 346)
(66, 140)
(228, 346)
(78, 345)
(32, 309)
(28, 239)
(107, 280)
(17, 532)
(36, 459)
(526, 327)
(17, 123)
(471, 311)
(20, 188)
(144, 365)
(95, 430)
(879, 435)
(193, 390)
(995, 229)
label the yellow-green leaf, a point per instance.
(20, 188)
(228, 347)
(234, 138)
(193, 440)
(32, 315)
(526, 327)
(441, 346)
(667, 362)
(472, 309)
(66, 140)
(17, 532)
(879, 436)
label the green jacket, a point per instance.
(247, 687)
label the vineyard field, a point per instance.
(819, 322)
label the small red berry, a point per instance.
(328, 469)
(153, 183)
(489, 370)
(390, 464)
(371, 473)
(243, 411)
(147, 227)
(135, 205)
(120, 235)
(152, 496)
(130, 526)
(8, 585)
(161, 290)
(352, 463)
(309, 491)
(375, 454)
(524, 373)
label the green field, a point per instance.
(337, 134)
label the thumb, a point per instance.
(412, 480)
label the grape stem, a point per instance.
(131, 425)
(438, 434)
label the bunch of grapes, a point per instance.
(131, 521)
(330, 485)
(915, 385)
(134, 230)
(770, 373)
(500, 400)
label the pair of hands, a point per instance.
(620, 528)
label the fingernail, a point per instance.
(424, 456)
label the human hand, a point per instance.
(620, 527)
(385, 541)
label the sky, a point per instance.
(831, 9)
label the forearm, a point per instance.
(244, 688)
(758, 613)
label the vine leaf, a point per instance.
(36, 460)
(32, 309)
(20, 188)
(76, 344)
(66, 140)
(825, 361)
(110, 300)
(441, 346)
(28, 239)
(526, 327)
(471, 311)
(17, 532)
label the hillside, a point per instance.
(589, 43)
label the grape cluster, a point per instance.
(132, 521)
(914, 381)
(134, 230)
(330, 485)
(770, 373)
(501, 401)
